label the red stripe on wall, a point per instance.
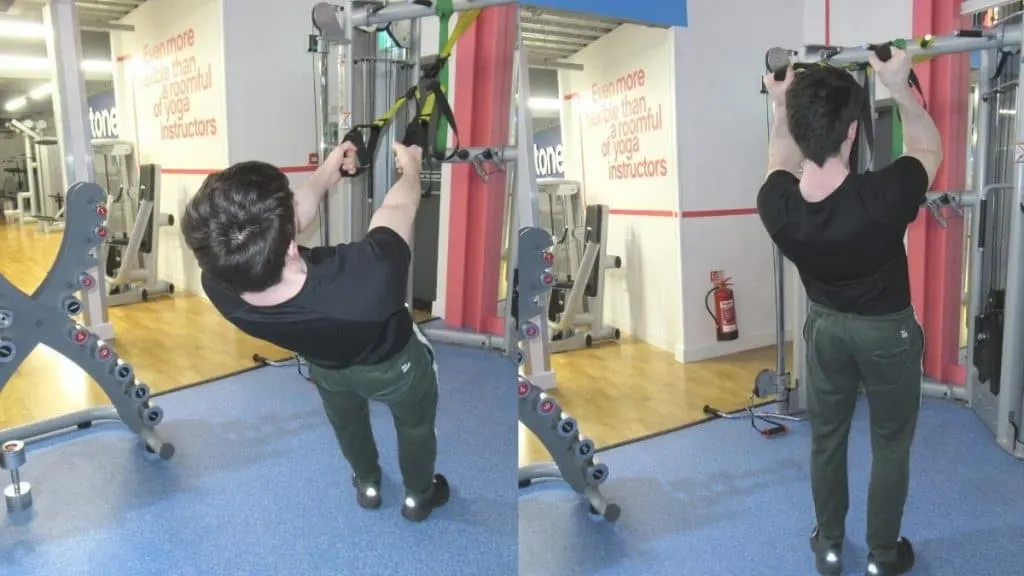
(305, 168)
(124, 57)
(650, 213)
(719, 213)
(688, 214)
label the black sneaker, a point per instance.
(903, 563)
(418, 508)
(828, 559)
(367, 494)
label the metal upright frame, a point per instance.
(1002, 412)
(341, 27)
(70, 110)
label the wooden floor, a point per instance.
(623, 391)
(618, 391)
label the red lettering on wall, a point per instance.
(621, 109)
(173, 75)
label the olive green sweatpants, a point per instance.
(407, 384)
(882, 354)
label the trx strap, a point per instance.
(884, 53)
(432, 110)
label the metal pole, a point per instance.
(939, 45)
(321, 62)
(501, 155)
(780, 311)
(414, 54)
(64, 45)
(975, 255)
(537, 349)
(1012, 372)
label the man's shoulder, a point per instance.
(223, 298)
(775, 198)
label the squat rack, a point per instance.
(529, 276)
(994, 385)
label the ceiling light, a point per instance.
(40, 92)
(545, 104)
(23, 63)
(16, 104)
(20, 29)
(97, 66)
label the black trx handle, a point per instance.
(415, 134)
(364, 154)
(884, 53)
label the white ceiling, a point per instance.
(552, 35)
(90, 12)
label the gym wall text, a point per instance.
(173, 74)
(624, 113)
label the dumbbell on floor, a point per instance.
(18, 494)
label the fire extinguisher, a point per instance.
(724, 313)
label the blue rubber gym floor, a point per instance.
(259, 487)
(717, 499)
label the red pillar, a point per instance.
(936, 254)
(482, 101)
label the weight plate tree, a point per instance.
(574, 456)
(47, 317)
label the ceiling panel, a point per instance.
(96, 17)
(552, 35)
(90, 12)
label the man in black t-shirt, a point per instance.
(342, 308)
(845, 234)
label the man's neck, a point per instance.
(292, 280)
(819, 182)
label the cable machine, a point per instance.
(994, 387)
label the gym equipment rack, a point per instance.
(48, 317)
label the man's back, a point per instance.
(350, 311)
(849, 246)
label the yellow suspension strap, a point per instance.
(433, 113)
(436, 115)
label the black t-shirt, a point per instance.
(351, 310)
(849, 247)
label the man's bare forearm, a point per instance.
(919, 131)
(406, 193)
(398, 210)
(783, 153)
(308, 196)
